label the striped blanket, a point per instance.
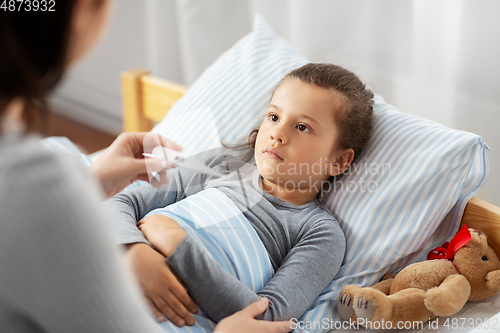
(215, 222)
(384, 231)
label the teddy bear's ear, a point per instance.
(480, 265)
(477, 232)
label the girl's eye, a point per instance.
(273, 117)
(302, 127)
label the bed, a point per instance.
(427, 207)
(147, 99)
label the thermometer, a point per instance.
(176, 158)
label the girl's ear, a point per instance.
(341, 162)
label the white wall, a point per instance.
(437, 59)
(91, 92)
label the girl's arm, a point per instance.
(305, 272)
(131, 205)
(164, 293)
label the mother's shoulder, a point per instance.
(21, 154)
(25, 161)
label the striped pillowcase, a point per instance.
(404, 197)
(230, 98)
(413, 175)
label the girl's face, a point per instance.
(295, 143)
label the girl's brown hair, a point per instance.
(33, 57)
(355, 118)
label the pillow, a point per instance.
(230, 97)
(391, 204)
(403, 197)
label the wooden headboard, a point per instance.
(147, 99)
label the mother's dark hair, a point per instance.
(33, 57)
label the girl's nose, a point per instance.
(273, 138)
(279, 135)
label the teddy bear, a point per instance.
(465, 269)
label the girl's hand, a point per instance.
(123, 163)
(164, 292)
(244, 321)
(164, 233)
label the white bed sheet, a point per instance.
(475, 317)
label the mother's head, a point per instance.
(38, 46)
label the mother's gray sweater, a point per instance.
(305, 244)
(59, 268)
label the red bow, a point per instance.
(448, 249)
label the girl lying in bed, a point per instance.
(318, 119)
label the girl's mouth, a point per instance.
(272, 153)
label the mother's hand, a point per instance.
(123, 163)
(164, 292)
(244, 321)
